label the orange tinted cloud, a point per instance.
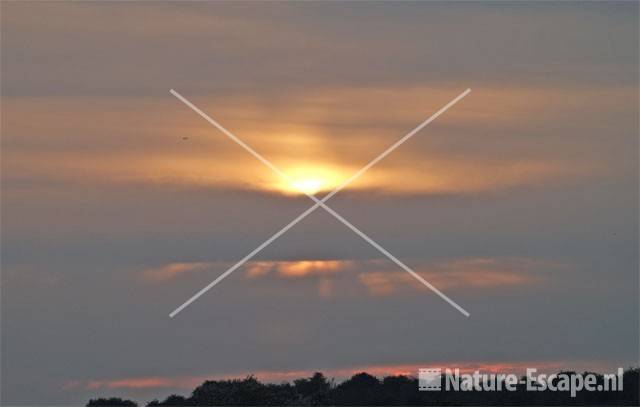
(319, 140)
(322, 269)
(457, 274)
(378, 276)
(289, 269)
(173, 270)
(381, 277)
(275, 376)
(300, 268)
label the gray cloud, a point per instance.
(75, 241)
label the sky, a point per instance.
(119, 202)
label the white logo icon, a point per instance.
(429, 379)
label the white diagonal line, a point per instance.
(244, 259)
(228, 133)
(396, 145)
(394, 259)
(320, 203)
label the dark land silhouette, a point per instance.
(365, 389)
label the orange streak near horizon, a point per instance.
(190, 382)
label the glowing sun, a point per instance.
(310, 180)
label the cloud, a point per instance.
(318, 269)
(277, 376)
(321, 270)
(173, 270)
(300, 268)
(286, 269)
(380, 277)
(485, 143)
(465, 274)
(99, 187)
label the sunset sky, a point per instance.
(119, 202)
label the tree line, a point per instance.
(365, 389)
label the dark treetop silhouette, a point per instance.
(364, 389)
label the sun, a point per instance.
(308, 185)
(310, 180)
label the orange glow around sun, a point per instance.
(307, 179)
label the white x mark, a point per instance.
(319, 203)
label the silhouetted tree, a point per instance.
(399, 390)
(230, 392)
(282, 395)
(173, 400)
(364, 389)
(315, 390)
(361, 389)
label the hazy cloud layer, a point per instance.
(521, 202)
